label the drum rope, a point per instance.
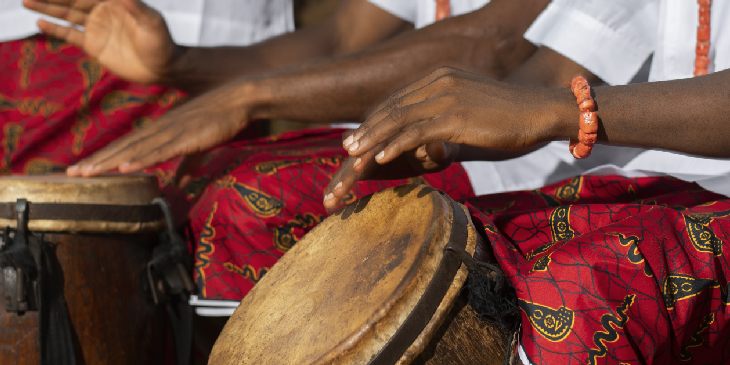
(490, 295)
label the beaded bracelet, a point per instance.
(702, 50)
(588, 120)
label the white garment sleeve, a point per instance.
(612, 39)
(404, 9)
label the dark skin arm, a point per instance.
(489, 40)
(464, 109)
(132, 40)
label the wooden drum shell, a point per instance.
(113, 319)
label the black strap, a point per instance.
(57, 337)
(424, 310)
(33, 280)
(86, 212)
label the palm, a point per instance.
(136, 47)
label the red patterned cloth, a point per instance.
(612, 270)
(252, 200)
(267, 197)
(58, 106)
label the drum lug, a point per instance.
(19, 265)
(167, 273)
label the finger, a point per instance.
(146, 155)
(119, 145)
(81, 5)
(412, 94)
(68, 34)
(412, 137)
(343, 180)
(57, 11)
(397, 120)
(92, 165)
(141, 153)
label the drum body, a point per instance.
(102, 262)
(378, 283)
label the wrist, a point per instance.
(557, 115)
(176, 67)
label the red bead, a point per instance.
(582, 151)
(702, 48)
(702, 62)
(703, 33)
(587, 105)
(588, 122)
(588, 139)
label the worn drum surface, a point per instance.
(102, 257)
(363, 288)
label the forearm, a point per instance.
(488, 41)
(350, 29)
(200, 68)
(683, 115)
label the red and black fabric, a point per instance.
(57, 105)
(614, 270)
(253, 198)
(267, 195)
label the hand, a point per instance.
(448, 108)
(457, 107)
(425, 159)
(126, 36)
(196, 126)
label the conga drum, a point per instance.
(74, 257)
(379, 283)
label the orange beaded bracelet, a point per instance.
(702, 50)
(587, 121)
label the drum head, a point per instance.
(345, 290)
(121, 204)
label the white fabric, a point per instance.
(191, 22)
(618, 33)
(612, 43)
(614, 38)
(423, 12)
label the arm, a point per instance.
(347, 31)
(132, 40)
(327, 90)
(464, 109)
(488, 41)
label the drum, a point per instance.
(379, 283)
(79, 296)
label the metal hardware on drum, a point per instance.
(75, 258)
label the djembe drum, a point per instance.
(74, 262)
(379, 283)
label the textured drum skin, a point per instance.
(342, 292)
(104, 276)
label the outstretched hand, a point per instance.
(196, 126)
(126, 36)
(446, 109)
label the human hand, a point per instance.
(196, 126)
(448, 108)
(128, 37)
(422, 160)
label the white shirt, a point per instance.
(191, 22)
(614, 38)
(423, 12)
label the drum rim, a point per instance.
(437, 290)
